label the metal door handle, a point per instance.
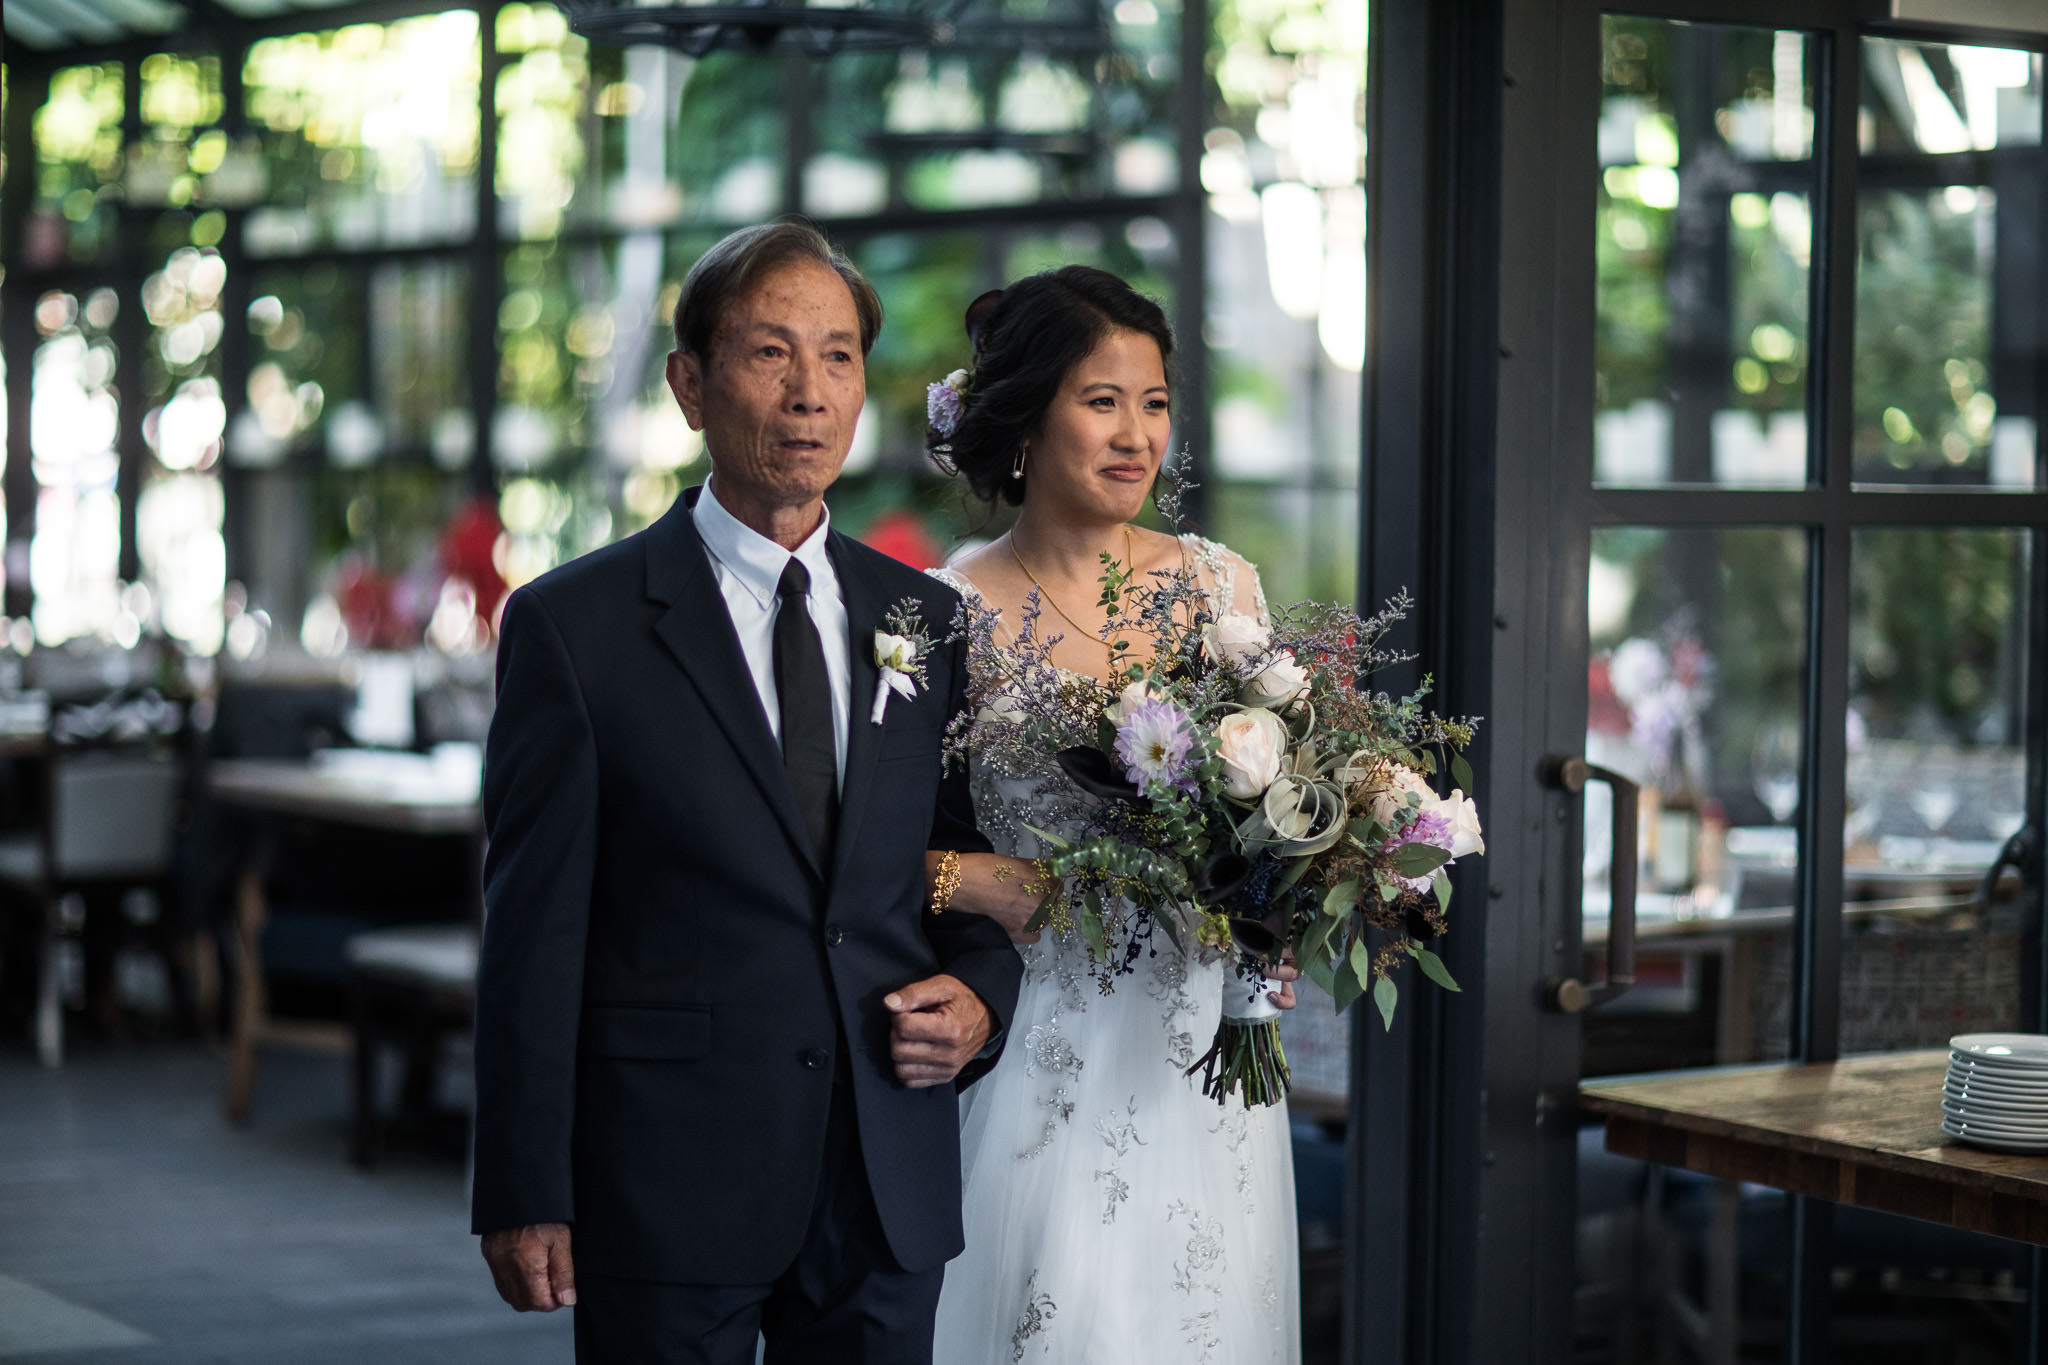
(1571, 995)
(2021, 853)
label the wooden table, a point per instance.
(410, 802)
(401, 795)
(1865, 1131)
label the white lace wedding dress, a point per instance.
(1115, 1214)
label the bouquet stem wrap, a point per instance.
(1246, 1057)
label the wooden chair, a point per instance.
(108, 828)
(410, 986)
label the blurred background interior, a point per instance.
(325, 326)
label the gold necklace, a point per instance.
(1130, 558)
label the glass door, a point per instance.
(1801, 543)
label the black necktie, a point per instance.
(804, 694)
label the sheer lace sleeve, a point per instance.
(1231, 581)
(958, 582)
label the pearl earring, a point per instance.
(1017, 469)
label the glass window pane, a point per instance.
(1936, 784)
(1939, 696)
(368, 133)
(179, 506)
(636, 137)
(419, 361)
(306, 357)
(1693, 690)
(1949, 236)
(1704, 235)
(78, 167)
(167, 166)
(74, 424)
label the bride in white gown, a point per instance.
(1115, 1215)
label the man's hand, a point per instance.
(940, 1026)
(531, 1266)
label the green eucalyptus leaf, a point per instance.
(1091, 924)
(1322, 972)
(1432, 966)
(1316, 941)
(1340, 898)
(1105, 735)
(1441, 884)
(1348, 987)
(1360, 959)
(1384, 994)
(1041, 914)
(1418, 860)
(1461, 773)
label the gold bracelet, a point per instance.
(945, 881)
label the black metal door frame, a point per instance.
(1479, 497)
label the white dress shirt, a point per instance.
(748, 567)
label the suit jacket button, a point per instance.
(817, 1058)
(833, 934)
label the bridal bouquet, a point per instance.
(1241, 791)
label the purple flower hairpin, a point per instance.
(945, 400)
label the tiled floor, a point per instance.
(138, 1228)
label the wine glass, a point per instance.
(1774, 769)
(1935, 800)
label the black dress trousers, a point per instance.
(843, 1301)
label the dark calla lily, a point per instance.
(1093, 772)
(1256, 939)
(1220, 876)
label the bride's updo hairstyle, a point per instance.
(1026, 339)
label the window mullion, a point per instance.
(486, 261)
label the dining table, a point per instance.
(436, 794)
(1864, 1131)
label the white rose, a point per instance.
(1132, 694)
(894, 651)
(1283, 683)
(1234, 638)
(1250, 745)
(1388, 805)
(1463, 815)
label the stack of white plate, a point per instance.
(1996, 1094)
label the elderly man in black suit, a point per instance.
(718, 1035)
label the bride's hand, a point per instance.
(996, 887)
(1285, 974)
(1284, 971)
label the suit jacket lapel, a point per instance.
(864, 611)
(698, 631)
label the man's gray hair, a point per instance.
(723, 272)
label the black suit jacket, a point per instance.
(667, 972)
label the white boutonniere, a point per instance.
(900, 652)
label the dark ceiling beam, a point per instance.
(25, 30)
(205, 27)
(73, 16)
(142, 16)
